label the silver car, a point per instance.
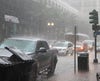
(64, 47)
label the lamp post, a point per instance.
(50, 24)
(50, 28)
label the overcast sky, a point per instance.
(85, 6)
(74, 3)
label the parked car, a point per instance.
(64, 47)
(26, 58)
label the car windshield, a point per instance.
(61, 44)
(23, 45)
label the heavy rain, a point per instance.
(49, 19)
(49, 40)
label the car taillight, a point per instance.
(81, 47)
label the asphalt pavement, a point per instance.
(65, 69)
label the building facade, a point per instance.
(31, 17)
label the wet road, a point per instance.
(65, 70)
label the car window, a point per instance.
(38, 46)
(23, 45)
(45, 45)
(61, 44)
(42, 44)
(70, 44)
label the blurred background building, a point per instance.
(49, 19)
(84, 7)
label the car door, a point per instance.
(42, 57)
(48, 55)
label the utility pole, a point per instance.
(75, 32)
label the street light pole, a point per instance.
(51, 26)
(75, 31)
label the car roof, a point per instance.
(27, 38)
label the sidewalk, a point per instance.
(93, 69)
(65, 70)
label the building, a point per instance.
(31, 17)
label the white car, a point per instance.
(89, 43)
(64, 47)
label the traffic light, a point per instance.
(96, 27)
(93, 27)
(93, 17)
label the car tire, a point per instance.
(51, 69)
(72, 52)
(69, 52)
(66, 53)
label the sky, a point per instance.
(85, 6)
(74, 3)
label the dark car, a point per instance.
(26, 58)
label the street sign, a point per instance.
(97, 33)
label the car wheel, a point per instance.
(66, 53)
(51, 69)
(70, 52)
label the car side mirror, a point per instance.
(42, 49)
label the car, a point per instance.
(51, 42)
(81, 47)
(64, 47)
(90, 44)
(26, 58)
